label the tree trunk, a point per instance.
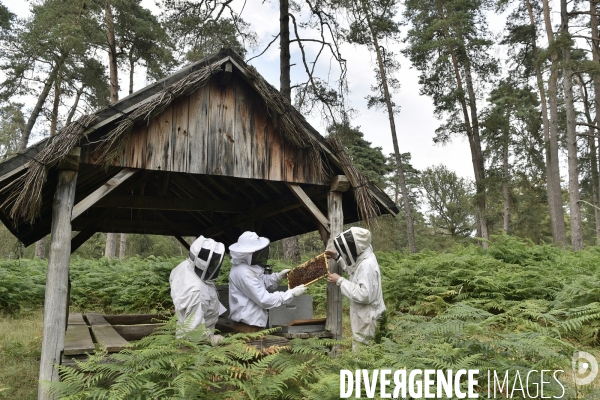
(284, 48)
(111, 238)
(75, 103)
(291, 250)
(574, 206)
(596, 58)
(123, 246)
(557, 216)
(505, 184)
(473, 136)
(553, 190)
(40, 248)
(410, 228)
(591, 139)
(112, 54)
(131, 70)
(40, 102)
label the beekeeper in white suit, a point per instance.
(355, 255)
(249, 298)
(192, 287)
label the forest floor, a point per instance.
(20, 348)
(20, 345)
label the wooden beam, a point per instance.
(310, 206)
(136, 226)
(102, 191)
(261, 212)
(57, 276)
(81, 238)
(183, 242)
(340, 183)
(171, 204)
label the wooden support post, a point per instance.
(334, 295)
(57, 278)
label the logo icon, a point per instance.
(585, 368)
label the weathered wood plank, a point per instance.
(159, 131)
(136, 332)
(75, 319)
(199, 109)
(244, 130)
(221, 137)
(135, 148)
(78, 340)
(290, 159)
(95, 319)
(275, 153)
(259, 141)
(102, 191)
(179, 160)
(106, 336)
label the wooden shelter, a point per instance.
(212, 149)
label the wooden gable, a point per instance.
(221, 129)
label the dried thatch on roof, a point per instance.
(26, 191)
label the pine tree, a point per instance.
(449, 45)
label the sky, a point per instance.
(415, 123)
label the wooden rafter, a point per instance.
(266, 210)
(102, 191)
(310, 205)
(168, 203)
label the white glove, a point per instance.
(298, 290)
(283, 273)
(216, 339)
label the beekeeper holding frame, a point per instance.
(354, 253)
(249, 298)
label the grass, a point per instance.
(20, 344)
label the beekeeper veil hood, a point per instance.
(351, 243)
(207, 256)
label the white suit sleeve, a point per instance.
(271, 281)
(197, 316)
(363, 290)
(255, 290)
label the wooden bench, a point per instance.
(104, 333)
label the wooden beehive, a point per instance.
(308, 272)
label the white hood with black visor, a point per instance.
(351, 243)
(207, 257)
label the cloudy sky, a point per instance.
(415, 124)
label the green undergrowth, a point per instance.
(513, 307)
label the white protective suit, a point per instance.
(195, 299)
(249, 299)
(364, 286)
